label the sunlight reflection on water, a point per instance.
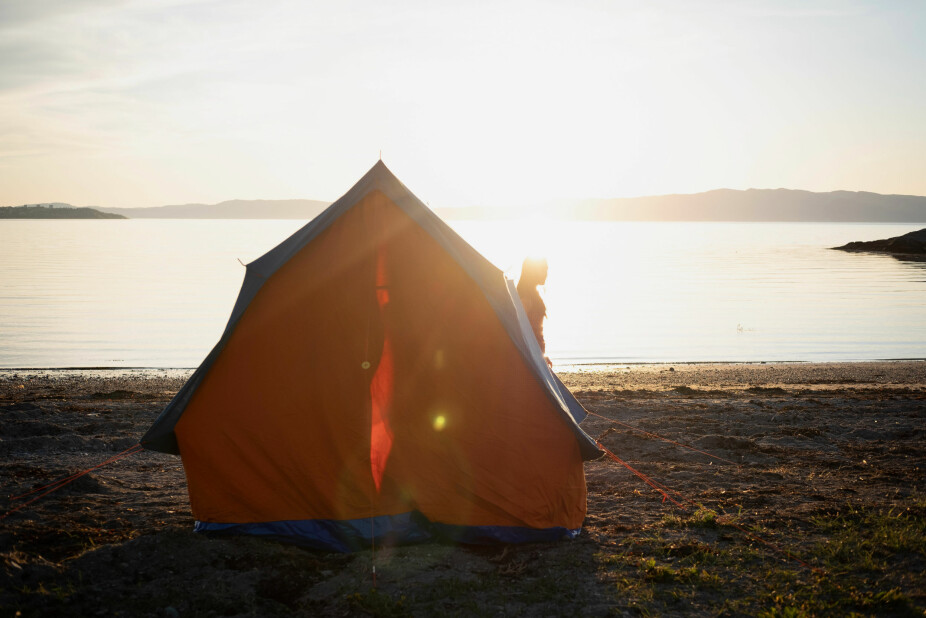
(649, 292)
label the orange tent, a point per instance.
(378, 380)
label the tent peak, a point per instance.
(380, 165)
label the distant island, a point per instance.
(53, 211)
(913, 243)
(752, 205)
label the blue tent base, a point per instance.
(403, 529)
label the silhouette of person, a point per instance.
(533, 274)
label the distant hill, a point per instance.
(53, 211)
(723, 205)
(757, 205)
(232, 209)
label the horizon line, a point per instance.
(551, 201)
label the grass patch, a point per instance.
(869, 538)
(703, 517)
(868, 558)
(665, 573)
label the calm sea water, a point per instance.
(157, 293)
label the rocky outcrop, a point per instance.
(913, 243)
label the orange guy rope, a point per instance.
(648, 433)
(66, 479)
(665, 496)
(70, 479)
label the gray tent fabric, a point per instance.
(500, 293)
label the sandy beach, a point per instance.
(812, 501)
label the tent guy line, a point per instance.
(59, 483)
(664, 439)
(686, 504)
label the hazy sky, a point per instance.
(152, 102)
